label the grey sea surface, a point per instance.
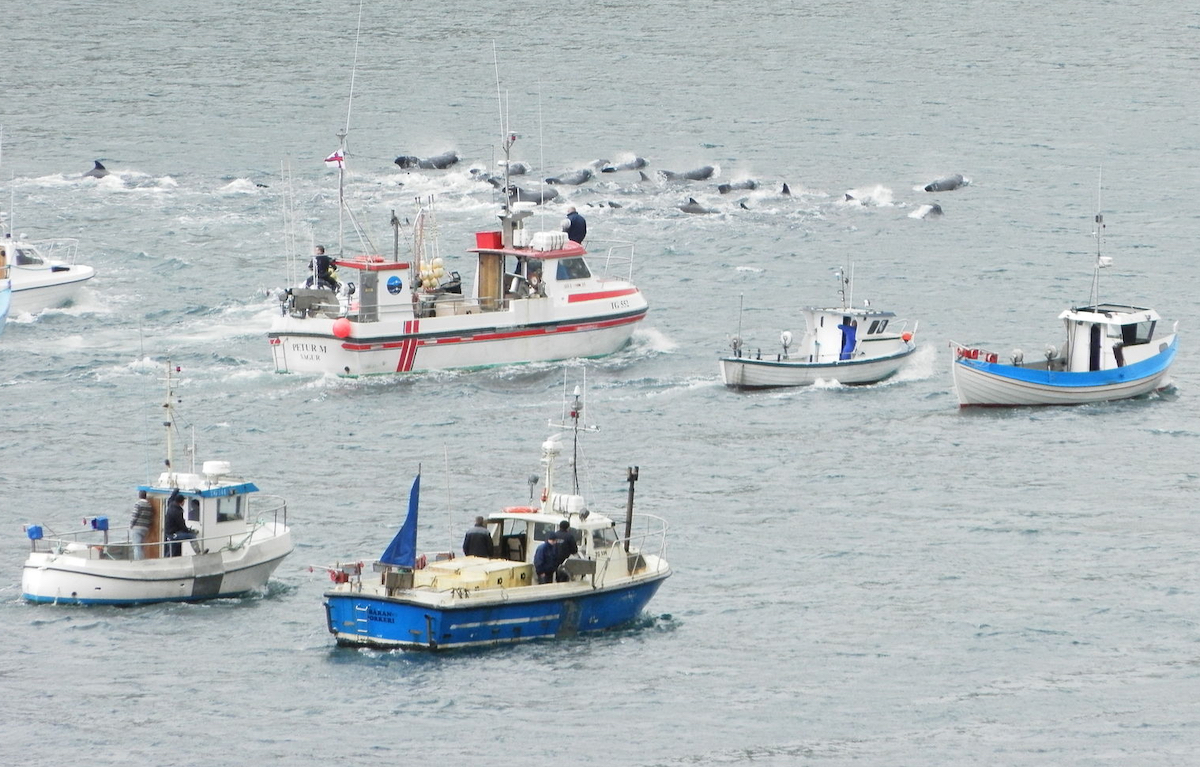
(862, 576)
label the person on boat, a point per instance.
(545, 559)
(567, 548)
(175, 526)
(323, 270)
(574, 225)
(139, 524)
(478, 541)
(849, 339)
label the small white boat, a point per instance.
(441, 600)
(534, 297)
(237, 544)
(1112, 352)
(844, 344)
(44, 274)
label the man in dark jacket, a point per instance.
(575, 226)
(174, 525)
(478, 541)
(567, 548)
(545, 559)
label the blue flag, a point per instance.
(402, 551)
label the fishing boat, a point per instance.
(440, 600)
(43, 273)
(845, 344)
(235, 540)
(1112, 352)
(534, 296)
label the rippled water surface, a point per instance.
(862, 576)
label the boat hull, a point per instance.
(747, 373)
(67, 578)
(44, 289)
(980, 383)
(410, 622)
(308, 345)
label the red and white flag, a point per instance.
(336, 160)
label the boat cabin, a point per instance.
(513, 264)
(219, 509)
(825, 333)
(1107, 336)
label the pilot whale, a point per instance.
(698, 174)
(946, 183)
(572, 178)
(691, 206)
(437, 162)
(99, 171)
(517, 194)
(636, 163)
(737, 185)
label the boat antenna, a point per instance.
(169, 423)
(343, 210)
(576, 425)
(1098, 233)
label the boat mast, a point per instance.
(1098, 233)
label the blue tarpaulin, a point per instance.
(402, 551)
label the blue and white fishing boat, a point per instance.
(231, 547)
(845, 344)
(1112, 352)
(441, 600)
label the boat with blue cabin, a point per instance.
(234, 540)
(1112, 352)
(850, 345)
(441, 600)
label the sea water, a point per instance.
(862, 575)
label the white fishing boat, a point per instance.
(235, 540)
(845, 344)
(43, 273)
(1112, 352)
(534, 296)
(440, 600)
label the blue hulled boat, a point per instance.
(442, 600)
(1112, 352)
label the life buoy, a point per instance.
(992, 357)
(972, 354)
(521, 509)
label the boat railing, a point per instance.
(618, 259)
(647, 537)
(59, 249)
(98, 543)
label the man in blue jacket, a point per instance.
(545, 559)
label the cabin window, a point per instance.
(27, 257)
(1137, 333)
(229, 508)
(542, 529)
(193, 513)
(603, 538)
(572, 269)
(882, 327)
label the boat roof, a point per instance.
(1110, 314)
(839, 311)
(593, 520)
(370, 263)
(207, 492)
(570, 250)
